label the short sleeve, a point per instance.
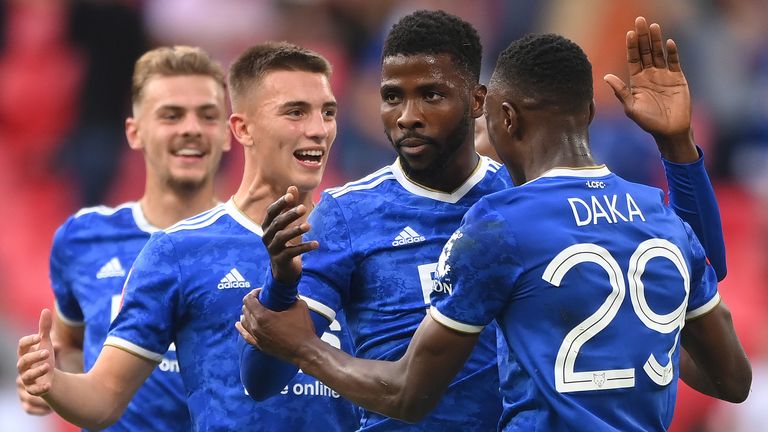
(67, 306)
(327, 271)
(150, 298)
(703, 296)
(476, 272)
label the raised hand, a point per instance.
(283, 240)
(36, 358)
(657, 97)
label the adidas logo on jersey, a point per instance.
(233, 279)
(407, 236)
(112, 268)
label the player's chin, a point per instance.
(189, 180)
(308, 181)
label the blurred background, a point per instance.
(65, 68)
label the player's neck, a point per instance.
(163, 207)
(565, 150)
(449, 176)
(253, 198)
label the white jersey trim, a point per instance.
(103, 210)
(704, 309)
(586, 172)
(452, 323)
(368, 182)
(483, 167)
(133, 348)
(141, 220)
(68, 321)
(242, 219)
(320, 308)
(201, 221)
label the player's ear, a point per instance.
(511, 119)
(591, 111)
(132, 134)
(239, 128)
(478, 100)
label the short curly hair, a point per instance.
(549, 67)
(253, 64)
(436, 32)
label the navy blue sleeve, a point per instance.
(692, 197)
(276, 295)
(264, 376)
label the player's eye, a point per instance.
(391, 98)
(433, 96)
(330, 113)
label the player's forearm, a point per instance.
(84, 400)
(692, 197)
(679, 148)
(722, 369)
(693, 376)
(378, 386)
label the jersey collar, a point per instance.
(582, 172)
(141, 220)
(241, 218)
(452, 198)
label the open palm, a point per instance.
(657, 97)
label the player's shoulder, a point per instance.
(105, 221)
(370, 184)
(200, 223)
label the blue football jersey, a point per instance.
(91, 254)
(187, 287)
(590, 279)
(379, 241)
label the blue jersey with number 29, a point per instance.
(590, 279)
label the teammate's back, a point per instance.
(595, 276)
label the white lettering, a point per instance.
(169, 365)
(234, 284)
(598, 211)
(408, 240)
(633, 208)
(612, 207)
(442, 287)
(576, 214)
(592, 213)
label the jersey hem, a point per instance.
(132, 348)
(452, 323)
(320, 308)
(68, 321)
(704, 309)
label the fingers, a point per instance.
(46, 322)
(657, 47)
(33, 405)
(277, 207)
(246, 335)
(282, 221)
(633, 54)
(31, 360)
(31, 371)
(673, 57)
(26, 343)
(620, 88)
(643, 42)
